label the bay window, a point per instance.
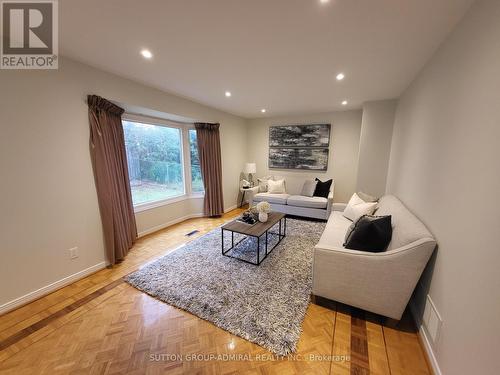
(163, 162)
(196, 181)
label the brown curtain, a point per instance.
(211, 167)
(109, 160)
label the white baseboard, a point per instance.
(230, 208)
(428, 349)
(178, 220)
(156, 228)
(31, 296)
(425, 340)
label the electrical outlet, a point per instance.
(432, 320)
(73, 253)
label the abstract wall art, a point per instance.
(299, 146)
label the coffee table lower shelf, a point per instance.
(281, 225)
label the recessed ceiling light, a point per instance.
(340, 76)
(324, 1)
(146, 54)
(228, 94)
(344, 102)
(263, 110)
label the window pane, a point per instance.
(196, 181)
(154, 156)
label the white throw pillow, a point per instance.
(276, 187)
(358, 207)
(263, 186)
(367, 197)
(308, 188)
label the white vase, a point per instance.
(262, 217)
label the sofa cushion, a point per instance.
(271, 198)
(323, 188)
(263, 184)
(370, 233)
(276, 187)
(358, 207)
(335, 230)
(367, 197)
(406, 227)
(309, 202)
(308, 188)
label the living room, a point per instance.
(357, 139)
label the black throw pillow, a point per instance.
(370, 233)
(322, 188)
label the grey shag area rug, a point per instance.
(264, 304)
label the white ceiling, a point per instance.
(282, 55)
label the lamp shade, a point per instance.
(250, 168)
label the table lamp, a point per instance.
(249, 169)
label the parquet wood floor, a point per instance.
(101, 325)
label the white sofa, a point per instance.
(378, 282)
(296, 204)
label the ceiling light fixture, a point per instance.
(340, 76)
(344, 102)
(228, 94)
(146, 54)
(263, 110)
(324, 1)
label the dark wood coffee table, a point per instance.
(256, 230)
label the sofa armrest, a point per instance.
(329, 204)
(377, 282)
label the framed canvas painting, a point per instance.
(316, 135)
(299, 158)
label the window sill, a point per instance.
(165, 202)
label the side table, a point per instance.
(252, 190)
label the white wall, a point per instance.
(444, 165)
(343, 158)
(47, 191)
(375, 146)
